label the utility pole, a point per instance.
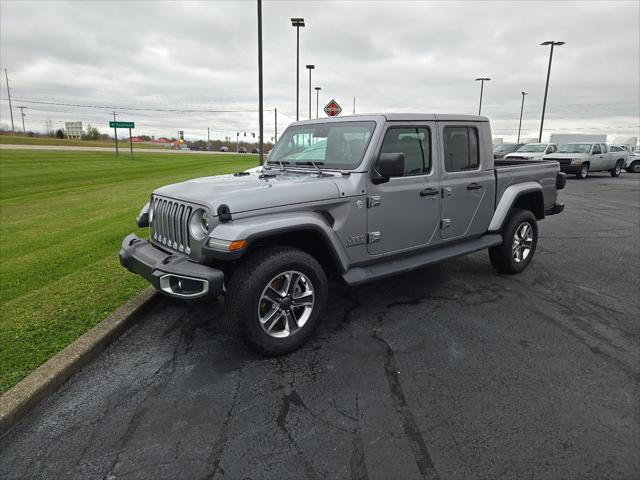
(9, 95)
(521, 109)
(482, 80)
(276, 124)
(208, 140)
(260, 103)
(354, 105)
(131, 143)
(546, 88)
(24, 132)
(115, 133)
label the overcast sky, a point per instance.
(392, 56)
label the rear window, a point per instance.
(461, 149)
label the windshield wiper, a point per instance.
(282, 163)
(314, 164)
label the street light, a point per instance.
(260, 90)
(310, 67)
(297, 22)
(546, 88)
(521, 108)
(482, 80)
(317, 99)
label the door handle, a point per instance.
(429, 192)
(474, 186)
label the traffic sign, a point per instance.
(122, 125)
(333, 109)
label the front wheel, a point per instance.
(615, 171)
(634, 167)
(519, 241)
(583, 172)
(276, 298)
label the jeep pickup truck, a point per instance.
(358, 199)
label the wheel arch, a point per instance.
(527, 195)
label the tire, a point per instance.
(615, 171)
(504, 257)
(260, 306)
(634, 167)
(584, 172)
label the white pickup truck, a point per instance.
(582, 158)
(532, 151)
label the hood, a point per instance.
(253, 191)
(525, 155)
(554, 156)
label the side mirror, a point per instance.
(389, 165)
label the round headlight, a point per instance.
(199, 224)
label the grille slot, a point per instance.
(170, 224)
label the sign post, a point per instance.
(332, 109)
(115, 125)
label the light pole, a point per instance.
(260, 103)
(310, 67)
(297, 22)
(317, 99)
(482, 80)
(546, 88)
(521, 108)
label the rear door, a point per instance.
(404, 212)
(467, 181)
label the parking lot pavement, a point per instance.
(452, 371)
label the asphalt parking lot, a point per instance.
(450, 372)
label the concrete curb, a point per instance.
(17, 402)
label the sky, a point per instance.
(190, 66)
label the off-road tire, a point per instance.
(615, 171)
(245, 288)
(583, 172)
(502, 256)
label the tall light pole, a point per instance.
(260, 104)
(521, 109)
(546, 88)
(310, 67)
(482, 80)
(297, 22)
(317, 99)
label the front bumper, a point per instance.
(570, 168)
(172, 274)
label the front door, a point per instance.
(467, 182)
(405, 211)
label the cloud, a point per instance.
(392, 56)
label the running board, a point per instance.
(358, 275)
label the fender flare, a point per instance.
(507, 201)
(255, 228)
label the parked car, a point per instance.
(242, 150)
(632, 165)
(224, 149)
(255, 150)
(531, 151)
(582, 158)
(500, 150)
(385, 194)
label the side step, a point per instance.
(358, 275)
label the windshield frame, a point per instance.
(291, 130)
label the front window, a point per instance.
(338, 145)
(575, 148)
(533, 148)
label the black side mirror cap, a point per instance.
(389, 165)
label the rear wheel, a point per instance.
(583, 172)
(615, 171)
(276, 298)
(519, 241)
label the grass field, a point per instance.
(20, 140)
(62, 217)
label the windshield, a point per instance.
(338, 145)
(575, 148)
(505, 147)
(533, 147)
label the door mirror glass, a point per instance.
(390, 165)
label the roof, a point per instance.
(403, 117)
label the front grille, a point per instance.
(170, 224)
(561, 161)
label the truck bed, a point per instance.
(509, 172)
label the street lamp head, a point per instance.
(523, 93)
(297, 22)
(483, 78)
(551, 42)
(311, 67)
(318, 88)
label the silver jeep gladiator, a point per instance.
(357, 198)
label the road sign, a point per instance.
(122, 125)
(333, 109)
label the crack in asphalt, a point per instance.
(411, 430)
(357, 462)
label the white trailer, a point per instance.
(564, 138)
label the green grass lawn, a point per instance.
(62, 218)
(20, 140)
